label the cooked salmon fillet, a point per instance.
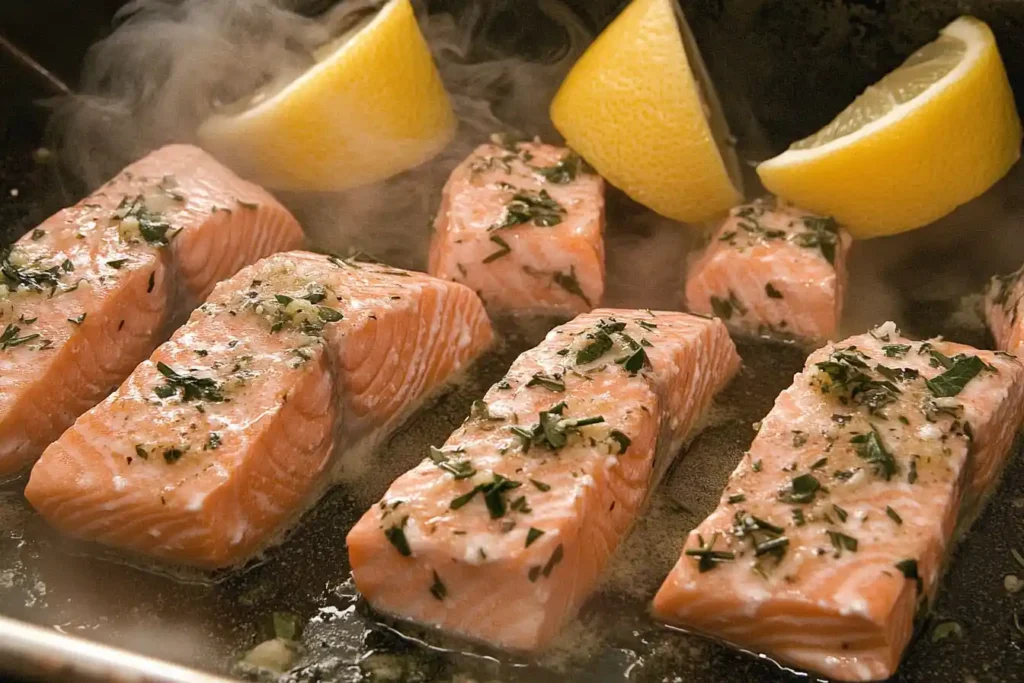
(88, 294)
(835, 525)
(501, 534)
(771, 269)
(522, 225)
(1004, 304)
(275, 387)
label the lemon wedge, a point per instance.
(933, 134)
(639, 107)
(371, 106)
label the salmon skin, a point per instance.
(1004, 300)
(833, 529)
(522, 225)
(500, 535)
(771, 269)
(274, 389)
(87, 295)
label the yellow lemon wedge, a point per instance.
(371, 106)
(931, 135)
(639, 107)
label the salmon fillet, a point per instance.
(275, 388)
(834, 527)
(522, 224)
(771, 269)
(88, 294)
(1004, 301)
(502, 534)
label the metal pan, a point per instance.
(784, 66)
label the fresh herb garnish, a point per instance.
(438, 589)
(553, 561)
(537, 207)
(908, 568)
(569, 283)
(772, 293)
(552, 428)
(565, 171)
(737, 498)
(549, 382)
(173, 455)
(896, 350)
(494, 495)
(532, 535)
(961, 371)
(396, 535)
(822, 233)
(802, 490)
(893, 515)
(621, 439)
(709, 558)
(541, 486)
(841, 542)
(503, 249)
(118, 263)
(840, 513)
(869, 446)
(460, 469)
(10, 339)
(189, 387)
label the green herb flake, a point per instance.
(893, 515)
(38, 234)
(737, 498)
(962, 370)
(621, 439)
(9, 339)
(772, 293)
(532, 535)
(190, 388)
(118, 263)
(536, 207)
(707, 557)
(565, 171)
(77, 320)
(869, 447)
(438, 589)
(841, 542)
(553, 561)
(569, 283)
(840, 513)
(503, 250)
(173, 455)
(896, 350)
(541, 486)
(396, 535)
(549, 382)
(802, 490)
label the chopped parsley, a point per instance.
(571, 284)
(896, 350)
(960, 371)
(802, 490)
(549, 382)
(621, 439)
(771, 291)
(552, 429)
(10, 339)
(893, 515)
(541, 486)
(821, 233)
(532, 535)
(841, 542)
(494, 495)
(396, 535)
(503, 249)
(173, 455)
(536, 207)
(460, 469)
(708, 557)
(565, 171)
(869, 447)
(189, 387)
(438, 589)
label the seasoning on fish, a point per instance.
(275, 389)
(1004, 305)
(771, 269)
(88, 295)
(851, 491)
(518, 513)
(522, 225)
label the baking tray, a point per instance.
(924, 280)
